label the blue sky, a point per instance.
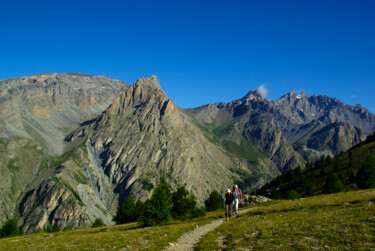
(201, 51)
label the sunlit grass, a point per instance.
(339, 221)
(130, 236)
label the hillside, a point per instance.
(337, 221)
(315, 177)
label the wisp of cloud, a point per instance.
(263, 91)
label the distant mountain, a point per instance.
(75, 146)
(291, 127)
(302, 109)
(45, 107)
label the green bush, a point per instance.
(10, 228)
(98, 223)
(197, 212)
(214, 202)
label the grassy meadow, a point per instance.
(335, 222)
(128, 236)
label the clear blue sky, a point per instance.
(201, 51)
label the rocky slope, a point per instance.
(45, 107)
(291, 127)
(302, 109)
(36, 113)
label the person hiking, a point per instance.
(228, 204)
(237, 197)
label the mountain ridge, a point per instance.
(138, 135)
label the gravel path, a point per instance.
(188, 240)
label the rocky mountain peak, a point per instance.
(143, 91)
(253, 94)
(292, 97)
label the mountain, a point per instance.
(291, 128)
(36, 113)
(144, 137)
(302, 109)
(75, 146)
(45, 107)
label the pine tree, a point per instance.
(292, 195)
(98, 223)
(184, 205)
(126, 213)
(158, 209)
(333, 185)
(55, 228)
(366, 174)
(10, 228)
(214, 201)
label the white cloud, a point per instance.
(263, 91)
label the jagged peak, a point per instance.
(151, 81)
(142, 91)
(253, 94)
(294, 94)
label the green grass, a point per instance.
(338, 221)
(80, 177)
(11, 164)
(244, 150)
(130, 236)
(221, 130)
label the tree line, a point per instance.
(324, 176)
(163, 206)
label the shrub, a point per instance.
(214, 201)
(10, 228)
(197, 212)
(98, 223)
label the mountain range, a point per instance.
(74, 146)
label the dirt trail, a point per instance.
(188, 240)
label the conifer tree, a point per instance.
(214, 201)
(366, 174)
(157, 209)
(10, 228)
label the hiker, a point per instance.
(237, 197)
(228, 204)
